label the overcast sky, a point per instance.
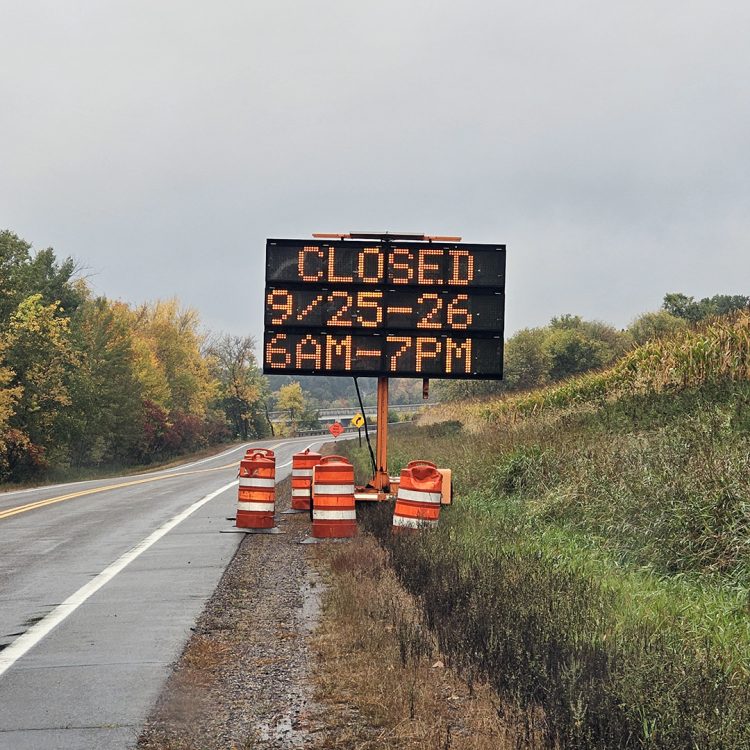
(161, 142)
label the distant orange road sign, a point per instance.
(336, 429)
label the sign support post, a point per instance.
(374, 304)
(382, 481)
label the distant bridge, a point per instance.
(345, 414)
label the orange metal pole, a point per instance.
(381, 480)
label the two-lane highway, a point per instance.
(100, 582)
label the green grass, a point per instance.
(596, 563)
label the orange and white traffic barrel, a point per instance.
(256, 500)
(302, 475)
(447, 487)
(334, 514)
(419, 495)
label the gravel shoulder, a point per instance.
(319, 647)
(243, 680)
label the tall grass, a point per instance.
(550, 635)
(715, 352)
(596, 564)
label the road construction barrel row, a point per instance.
(325, 485)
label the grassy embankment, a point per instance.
(596, 567)
(379, 679)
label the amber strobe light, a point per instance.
(380, 305)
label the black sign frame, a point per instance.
(337, 271)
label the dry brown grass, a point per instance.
(379, 676)
(202, 659)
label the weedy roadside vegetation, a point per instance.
(595, 569)
(714, 352)
(380, 677)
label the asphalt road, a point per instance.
(100, 583)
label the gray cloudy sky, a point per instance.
(160, 143)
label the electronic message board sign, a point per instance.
(384, 308)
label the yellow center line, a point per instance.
(52, 500)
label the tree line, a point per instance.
(86, 381)
(570, 345)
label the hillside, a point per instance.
(595, 569)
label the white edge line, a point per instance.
(23, 644)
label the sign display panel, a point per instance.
(403, 309)
(390, 310)
(390, 264)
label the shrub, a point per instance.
(20, 458)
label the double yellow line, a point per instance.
(94, 490)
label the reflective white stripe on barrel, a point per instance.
(256, 482)
(417, 496)
(334, 515)
(297, 492)
(302, 472)
(333, 489)
(258, 507)
(412, 523)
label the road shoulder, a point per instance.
(319, 647)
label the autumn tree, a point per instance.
(37, 345)
(172, 334)
(243, 391)
(104, 419)
(292, 400)
(8, 397)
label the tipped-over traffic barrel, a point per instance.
(419, 494)
(413, 464)
(256, 499)
(334, 514)
(302, 471)
(267, 452)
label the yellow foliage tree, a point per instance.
(168, 347)
(37, 343)
(8, 395)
